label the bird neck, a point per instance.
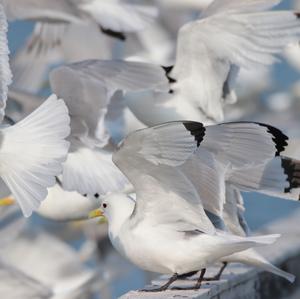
(120, 214)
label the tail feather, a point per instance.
(275, 270)
(32, 151)
(252, 258)
(263, 240)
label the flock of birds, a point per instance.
(170, 190)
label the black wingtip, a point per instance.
(114, 34)
(297, 14)
(279, 138)
(292, 170)
(168, 70)
(196, 129)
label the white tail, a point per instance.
(252, 258)
(32, 151)
(263, 240)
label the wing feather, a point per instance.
(229, 33)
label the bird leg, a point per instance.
(218, 275)
(200, 279)
(198, 284)
(163, 287)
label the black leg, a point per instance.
(164, 287)
(218, 276)
(200, 279)
(198, 284)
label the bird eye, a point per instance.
(104, 205)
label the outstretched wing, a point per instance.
(161, 162)
(230, 35)
(204, 155)
(241, 144)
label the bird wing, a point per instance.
(233, 214)
(92, 172)
(87, 87)
(244, 144)
(205, 155)
(279, 177)
(5, 72)
(164, 195)
(175, 142)
(45, 10)
(207, 175)
(119, 17)
(31, 63)
(230, 34)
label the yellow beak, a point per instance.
(7, 201)
(98, 214)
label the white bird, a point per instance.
(32, 151)
(168, 212)
(230, 35)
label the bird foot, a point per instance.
(214, 278)
(160, 289)
(192, 288)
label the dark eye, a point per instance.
(104, 205)
(96, 195)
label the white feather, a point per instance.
(32, 151)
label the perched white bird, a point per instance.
(230, 35)
(169, 211)
(32, 151)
